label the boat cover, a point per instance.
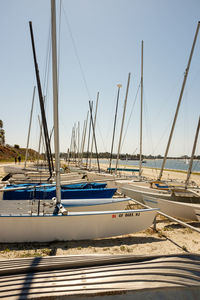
(50, 192)
(85, 185)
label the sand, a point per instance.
(153, 173)
(169, 238)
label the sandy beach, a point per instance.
(169, 237)
(152, 173)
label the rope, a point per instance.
(76, 52)
(130, 115)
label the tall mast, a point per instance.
(78, 143)
(29, 129)
(55, 99)
(90, 125)
(122, 125)
(179, 102)
(94, 136)
(83, 132)
(95, 116)
(141, 111)
(70, 149)
(44, 122)
(84, 136)
(192, 155)
(114, 127)
(40, 138)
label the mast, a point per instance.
(122, 125)
(55, 99)
(179, 102)
(39, 145)
(141, 112)
(95, 116)
(74, 142)
(78, 150)
(42, 139)
(71, 145)
(29, 129)
(192, 155)
(84, 136)
(94, 136)
(44, 122)
(81, 147)
(114, 126)
(90, 124)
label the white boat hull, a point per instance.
(97, 204)
(81, 205)
(173, 208)
(138, 192)
(74, 226)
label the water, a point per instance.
(173, 164)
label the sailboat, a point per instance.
(16, 226)
(165, 196)
(48, 191)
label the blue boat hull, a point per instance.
(50, 192)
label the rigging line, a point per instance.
(148, 128)
(186, 123)
(104, 146)
(108, 136)
(46, 73)
(195, 77)
(130, 114)
(76, 52)
(163, 135)
(99, 130)
(166, 102)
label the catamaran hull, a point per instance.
(139, 192)
(21, 229)
(97, 204)
(49, 193)
(172, 208)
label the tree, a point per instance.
(2, 133)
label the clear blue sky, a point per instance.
(107, 35)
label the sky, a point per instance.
(99, 43)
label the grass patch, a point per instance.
(46, 251)
(6, 250)
(160, 234)
(184, 248)
(122, 248)
(195, 242)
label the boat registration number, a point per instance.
(127, 215)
